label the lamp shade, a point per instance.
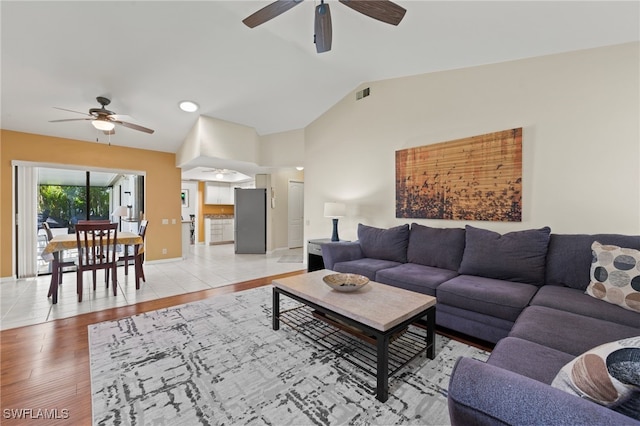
(334, 209)
(120, 211)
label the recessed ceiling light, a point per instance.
(299, 168)
(188, 106)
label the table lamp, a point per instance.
(334, 211)
(120, 212)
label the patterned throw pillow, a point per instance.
(615, 275)
(608, 374)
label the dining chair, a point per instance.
(142, 230)
(59, 256)
(140, 254)
(84, 221)
(96, 250)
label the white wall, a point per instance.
(192, 187)
(581, 140)
(285, 149)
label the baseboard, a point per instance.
(7, 279)
(173, 259)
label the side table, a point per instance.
(314, 254)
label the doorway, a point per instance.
(65, 197)
(295, 228)
(60, 196)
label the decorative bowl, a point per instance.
(345, 282)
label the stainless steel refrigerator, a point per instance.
(250, 220)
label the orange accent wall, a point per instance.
(162, 180)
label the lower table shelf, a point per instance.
(349, 342)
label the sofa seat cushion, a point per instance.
(576, 301)
(366, 266)
(420, 278)
(479, 326)
(530, 359)
(496, 298)
(566, 331)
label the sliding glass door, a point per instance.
(68, 196)
(65, 197)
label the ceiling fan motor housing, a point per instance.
(103, 101)
(101, 112)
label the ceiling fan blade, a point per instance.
(269, 12)
(133, 126)
(70, 119)
(382, 10)
(119, 117)
(323, 31)
(70, 110)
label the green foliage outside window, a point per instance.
(68, 203)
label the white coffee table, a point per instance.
(379, 310)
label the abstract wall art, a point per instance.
(475, 178)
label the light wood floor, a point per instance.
(46, 366)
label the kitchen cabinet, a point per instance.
(217, 193)
(228, 230)
(218, 230)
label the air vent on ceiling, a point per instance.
(362, 94)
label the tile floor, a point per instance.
(24, 302)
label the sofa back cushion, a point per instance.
(385, 244)
(516, 256)
(569, 256)
(437, 247)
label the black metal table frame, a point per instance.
(382, 337)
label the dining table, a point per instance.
(63, 242)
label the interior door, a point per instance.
(296, 214)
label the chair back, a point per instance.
(47, 229)
(142, 230)
(96, 243)
(84, 221)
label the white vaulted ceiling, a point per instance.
(147, 56)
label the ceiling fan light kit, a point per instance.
(103, 119)
(383, 10)
(103, 125)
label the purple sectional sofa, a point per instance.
(524, 291)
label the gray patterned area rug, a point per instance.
(218, 361)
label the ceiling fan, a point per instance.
(103, 119)
(382, 10)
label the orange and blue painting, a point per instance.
(476, 178)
